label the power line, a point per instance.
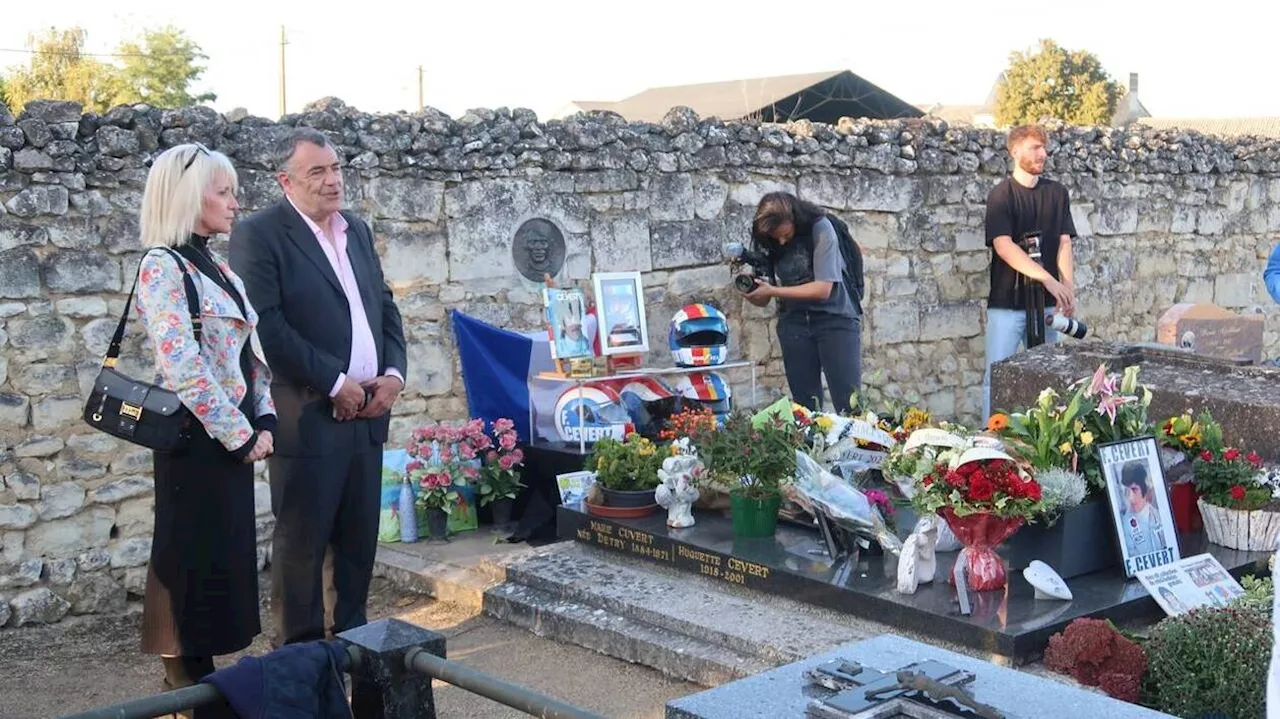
(71, 53)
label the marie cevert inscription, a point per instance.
(665, 550)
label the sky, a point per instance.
(1215, 61)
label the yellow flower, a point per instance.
(824, 423)
(1065, 448)
(1079, 427)
(1086, 438)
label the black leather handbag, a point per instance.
(138, 412)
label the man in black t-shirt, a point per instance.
(1024, 204)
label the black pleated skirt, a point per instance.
(202, 581)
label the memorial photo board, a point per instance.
(1139, 504)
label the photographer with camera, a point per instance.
(1026, 211)
(817, 283)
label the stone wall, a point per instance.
(1164, 217)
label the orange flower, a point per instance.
(998, 422)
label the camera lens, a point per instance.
(744, 283)
(1069, 326)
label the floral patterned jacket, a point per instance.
(207, 378)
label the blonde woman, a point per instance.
(202, 583)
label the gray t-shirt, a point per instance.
(827, 266)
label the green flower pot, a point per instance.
(754, 517)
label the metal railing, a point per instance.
(489, 687)
(177, 700)
(404, 670)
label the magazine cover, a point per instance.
(566, 316)
(1199, 581)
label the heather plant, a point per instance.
(1210, 662)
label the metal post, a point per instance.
(420, 105)
(384, 687)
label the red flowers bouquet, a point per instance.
(984, 501)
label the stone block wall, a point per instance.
(1164, 216)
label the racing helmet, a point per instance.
(708, 389)
(698, 336)
(602, 414)
(649, 402)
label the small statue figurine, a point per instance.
(917, 564)
(677, 491)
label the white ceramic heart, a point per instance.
(1047, 583)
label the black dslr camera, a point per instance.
(740, 256)
(1033, 295)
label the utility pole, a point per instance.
(420, 105)
(283, 42)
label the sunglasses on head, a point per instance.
(194, 153)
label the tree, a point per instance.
(159, 69)
(60, 71)
(1068, 85)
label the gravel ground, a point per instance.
(83, 662)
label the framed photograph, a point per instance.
(620, 308)
(1139, 504)
(567, 326)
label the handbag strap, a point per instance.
(193, 307)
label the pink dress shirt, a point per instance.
(364, 352)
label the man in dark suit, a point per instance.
(334, 340)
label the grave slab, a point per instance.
(1209, 330)
(1243, 397)
(785, 691)
(1010, 626)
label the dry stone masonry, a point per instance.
(1164, 217)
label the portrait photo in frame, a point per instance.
(620, 309)
(1140, 506)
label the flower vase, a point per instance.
(754, 517)
(437, 524)
(501, 509)
(1183, 499)
(408, 514)
(981, 533)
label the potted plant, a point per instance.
(754, 458)
(1238, 510)
(1210, 663)
(438, 495)
(1180, 438)
(626, 471)
(984, 497)
(500, 476)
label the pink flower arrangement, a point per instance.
(500, 479)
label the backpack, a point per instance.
(854, 282)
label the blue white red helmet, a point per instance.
(648, 401)
(602, 414)
(699, 336)
(708, 389)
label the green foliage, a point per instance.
(1258, 594)
(754, 462)
(60, 71)
(157, 68)
(1068, 85)
(1210, 662)
(630, 465)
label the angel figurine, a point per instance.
(918, 563)
(677, 491)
